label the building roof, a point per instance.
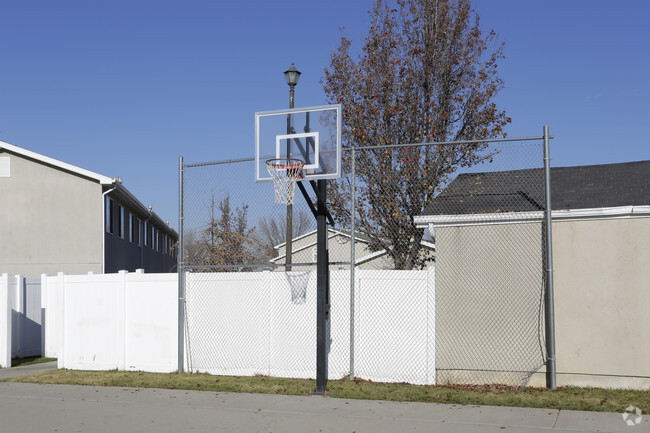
(127, 198)
(104, 180)
(332, 233)
(583, 187)
(359, 236)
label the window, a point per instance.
(5, 166)
(138, 231)
(132, 228)
(109, 215)
(146, 234)
(120, 221)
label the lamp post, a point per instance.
(292, 75)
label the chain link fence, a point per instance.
(436, 267)
(490, 250)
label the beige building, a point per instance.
(340, 252)
(490, 270)
(56, 217)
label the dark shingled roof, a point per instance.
(590, 186)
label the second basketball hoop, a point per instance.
(285, 172)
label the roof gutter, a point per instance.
(144, 211)
(617, 212)
(103, 218)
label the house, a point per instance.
(56, 217)
(304, 251)
(489, 260)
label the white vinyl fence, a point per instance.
(124, 321)
(243, 323)
(249, 323)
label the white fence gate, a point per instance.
(21, 318)
(30, 318)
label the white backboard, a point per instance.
(311, 134)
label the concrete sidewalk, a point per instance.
(65, 408)
(6, 373)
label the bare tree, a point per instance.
(228, 240)
(273, 230)
(425, 73)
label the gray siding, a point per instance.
(51, 220)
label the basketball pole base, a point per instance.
(322, 290)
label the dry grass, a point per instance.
(572, 398)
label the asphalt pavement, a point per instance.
(27, 408)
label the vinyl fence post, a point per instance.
(5, 321)
(61, 313)
(19, 308)
(44, 324)
(549, 316)
(179, 267)
(353, 210)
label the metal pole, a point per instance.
(549, 309)
(353, 211)
(322, 289)
(181, 271)
(288, 246)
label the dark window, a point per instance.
(132, 228)
(120, 221)
(109, 215)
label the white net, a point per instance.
(285, 173)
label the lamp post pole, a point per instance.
(291, 75)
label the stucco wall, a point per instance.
(602, 299)
(50, 221)
(602, 302)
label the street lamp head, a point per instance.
(292, 75)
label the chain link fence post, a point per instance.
(180, 269)
(353, 211)
(549, 307)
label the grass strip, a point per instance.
(564, 398)
(19, 362)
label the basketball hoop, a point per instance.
(285, 173)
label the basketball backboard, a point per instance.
(311, 134)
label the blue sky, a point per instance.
(124, 88)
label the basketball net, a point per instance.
(285, 173)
